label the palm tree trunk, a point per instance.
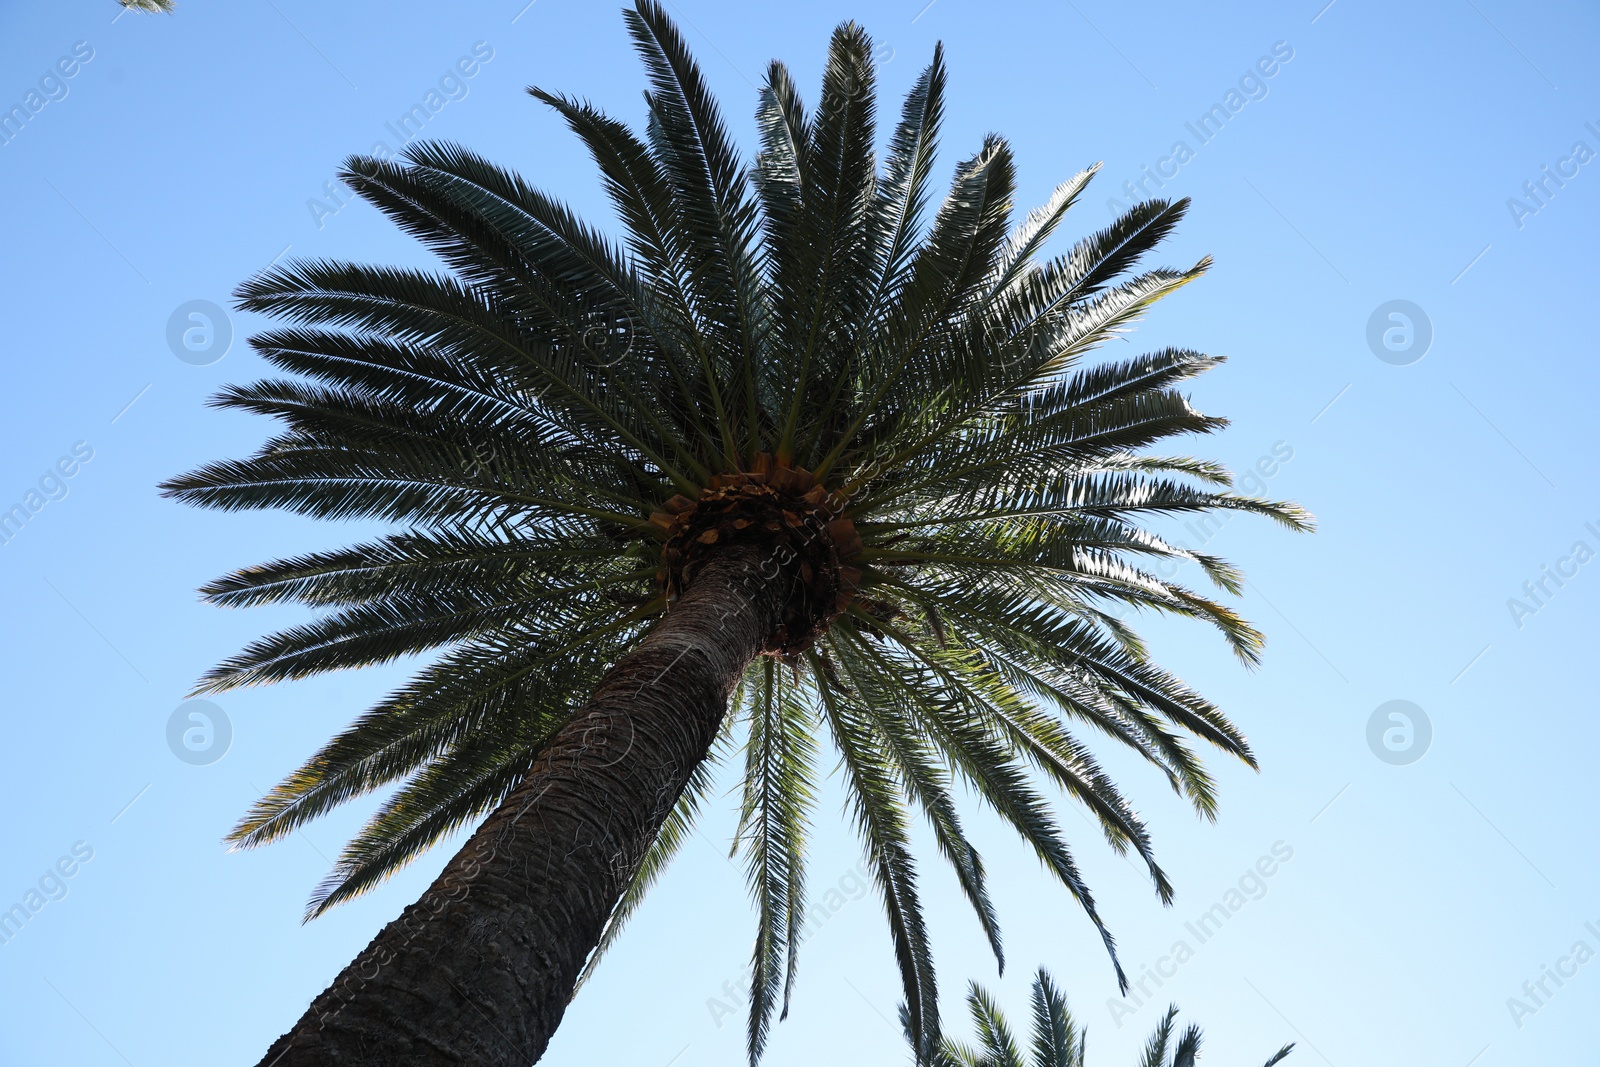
(481, 968)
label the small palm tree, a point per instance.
(1057, 1040)
(792, 465)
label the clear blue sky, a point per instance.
(1376, 163)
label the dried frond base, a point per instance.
(800, 526)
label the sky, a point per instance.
(1401, 201)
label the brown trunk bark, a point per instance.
(481, 968)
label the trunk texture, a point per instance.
(480, 969)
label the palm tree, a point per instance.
(1057, 1040)
(790, 464)
(149, 5)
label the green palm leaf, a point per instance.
(1058, 1040)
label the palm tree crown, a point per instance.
(900, 409)
(1057, 1040)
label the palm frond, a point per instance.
(1057, 1040)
